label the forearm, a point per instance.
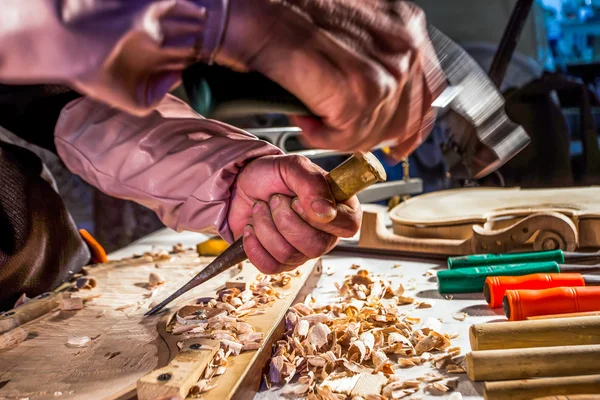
(128, 53)
(172, 161)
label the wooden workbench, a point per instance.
(98, 372)
(411, 269)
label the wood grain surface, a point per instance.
(126, 345)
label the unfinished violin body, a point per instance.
(489, 220)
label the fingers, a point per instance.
(308, 182)
(280, 240)
(259, 256)
(311, 242)
(270, 238)
(346, 223)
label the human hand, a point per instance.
(283, 207)
(366, 68)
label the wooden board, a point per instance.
(127, 345)
(478, 205)
(489, 220)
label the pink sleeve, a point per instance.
(172, 161)
(127, 53)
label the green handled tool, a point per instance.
(472, 279)
(558, 256)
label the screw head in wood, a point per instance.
(164, 377)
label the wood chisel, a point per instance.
(539, 333)
(559, 256)
(355, 174)
(520, 304)
(496, 286)
(472, 279)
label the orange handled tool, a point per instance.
(495, 286)
(520, 304)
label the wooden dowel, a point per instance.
(572, 315)
(498, 365)
(531, 388)
(539, 333)
(571, 397)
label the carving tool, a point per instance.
(355, 174)
(472, 279)
(535, 362)
(539, 333)
(481, 137)
(496, 286)
(528, 389)
(559, 256)
(561, 316)
(520, 304)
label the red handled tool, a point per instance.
(521, 304)
(496, 286)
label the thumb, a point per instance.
(307, 181)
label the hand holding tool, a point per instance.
(540, 333)
(472, 280)
(481, 137)
(520, 304)
(559, 256)
(355, 174)
(496, 286)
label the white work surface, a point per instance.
(411, 269)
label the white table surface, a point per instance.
(410, 270)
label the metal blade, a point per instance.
(481, 136)
(591, 280)
(232, 256)
(579, 268)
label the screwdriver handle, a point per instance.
(520, 304)
(496, 286)
(472, 280)
(477, 260)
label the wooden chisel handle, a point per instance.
(534, 388)
(498, 365)
(541, 333)
(571, 397)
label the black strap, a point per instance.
(31, 111)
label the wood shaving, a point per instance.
(424, 304)
(158, 255)
(85, 282)
(155, 280)
(178, 248)
(79, 341)
(71, 304)
(333, 347)
(21, 300)
(330, 271)
(460, 316)
(12, 338)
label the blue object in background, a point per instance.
(427, 163)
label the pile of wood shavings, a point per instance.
(220, 318)
(354, 347)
